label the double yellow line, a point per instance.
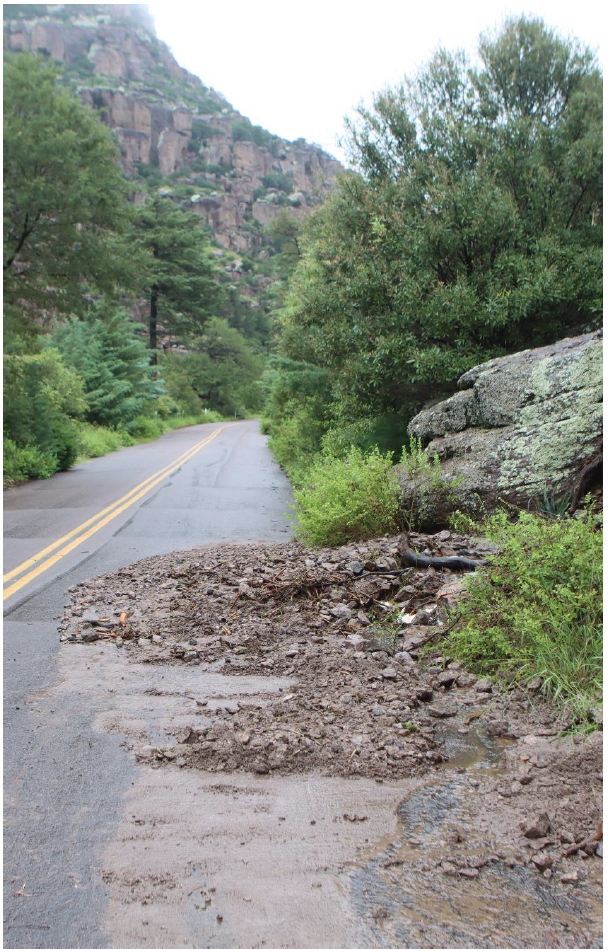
(96, 522)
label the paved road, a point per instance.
(64, 781)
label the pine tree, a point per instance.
(113, 363)
(182, 287)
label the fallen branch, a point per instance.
(452, 562)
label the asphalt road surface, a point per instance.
(64, 781)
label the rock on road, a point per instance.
(64, 780)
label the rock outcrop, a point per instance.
(240, 176)
(521, 426)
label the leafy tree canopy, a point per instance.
(64, 205)
(472, 227)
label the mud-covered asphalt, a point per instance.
(65, 781)
(235, 747)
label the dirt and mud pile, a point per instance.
(357, 637)
(346, 624)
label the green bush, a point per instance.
(29, 462)
(429, 499)
(143, 428)
(296, 439)
(347, 499)
(41, 398)
(99, 440)
(536, 612)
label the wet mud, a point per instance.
(233, 859)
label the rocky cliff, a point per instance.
(174, 132)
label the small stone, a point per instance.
(89, 636)
(483, 686)
(404, 657)
(497, 727)
(354, 567)
(536, 828)
(534, 685)
(356, 641)
(292, 653)
(424, 693)
(599, 850)
(442, 711)
(468, 872)
(157, 639)
(341, 611)
(260, 766)
(466, 680)
(187, 736)
(389, 673)
(542, 861)
(569, 878)
(446, 679)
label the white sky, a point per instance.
(298, 68)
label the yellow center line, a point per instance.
(126, 500)
(79, 528)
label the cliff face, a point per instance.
(173, 131)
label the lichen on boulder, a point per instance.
(521, 426)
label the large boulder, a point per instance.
(521, 426)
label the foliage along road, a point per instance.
(63, 781)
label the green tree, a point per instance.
(113, 363)
(221, 369)
(42, 400)
(64, 204)
(472, 227)
(181, 283)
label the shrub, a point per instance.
(28, 462)
(346, 499)
(99, 440)
(429, 499)
(535, 613)
(143, 428)
(41, 397)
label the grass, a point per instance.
(99, 440)
(536, 612)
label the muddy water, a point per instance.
(304, 861)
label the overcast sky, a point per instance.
(298, 68)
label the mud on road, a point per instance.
(310, 777)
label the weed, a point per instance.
(535, 613)
(432, 496)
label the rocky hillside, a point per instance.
(174, 132)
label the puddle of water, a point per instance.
(406, 900)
